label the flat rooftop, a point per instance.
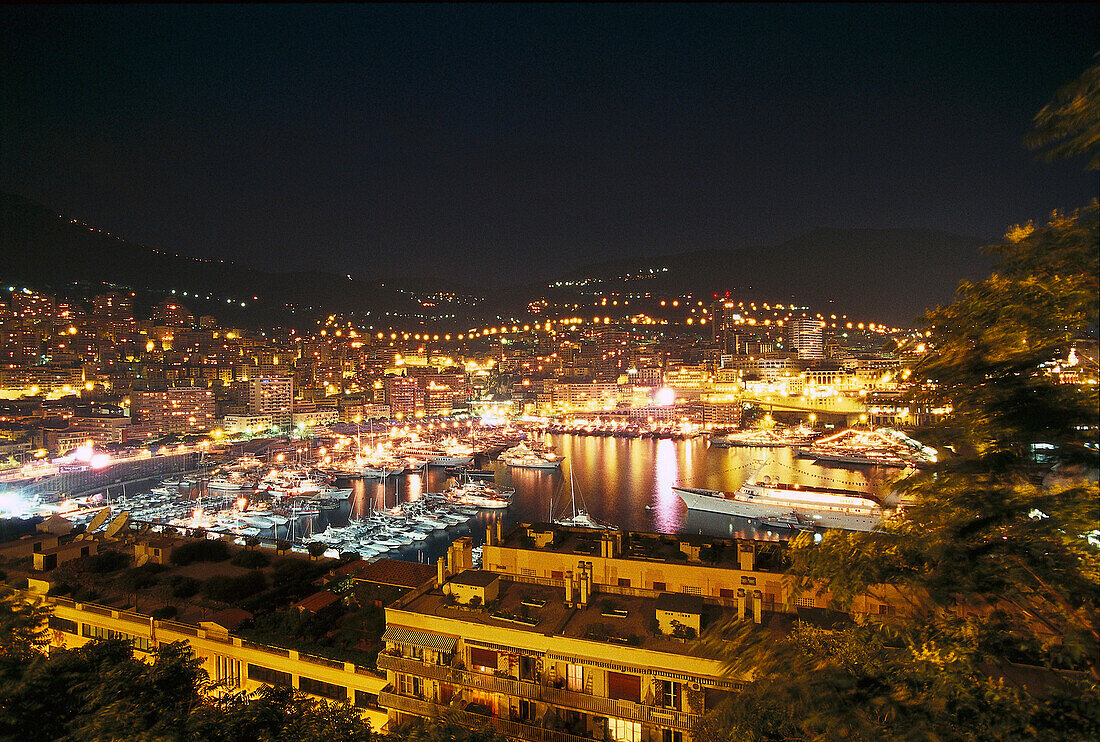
(650, 547)
(545, 608)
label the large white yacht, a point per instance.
(823, 507)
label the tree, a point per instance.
(1068, 126)
(22, 631)
(316, 549)
(101, 691)
(997, 560)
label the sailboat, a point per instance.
(580, 518)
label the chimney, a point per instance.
(441, 570)
(489, 533)
(500, 530)
(757, 607)
(742, 604)
(745, 557)
(586, 585)
(569, 587)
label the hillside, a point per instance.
(891, 274)
(40, 248)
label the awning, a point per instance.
(401, 635)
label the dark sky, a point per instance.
(496, 143)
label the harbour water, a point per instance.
(627, 482)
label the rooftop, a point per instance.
(651, 547)
(679, 603)
(541, 609)
(389, 572)
(475, 578)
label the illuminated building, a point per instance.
(806, 337)
(569, 634)
(272, 396)
(403, 395)
(177, 409)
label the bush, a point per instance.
(145, 576)
(107, 561)
(229, 589)
(316, 549)
(168, 611)
(250, 559)
(59, 589)
(183, 587)
(206, 550)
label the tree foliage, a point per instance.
(1068, 126)
(993, 349)
(996, 558)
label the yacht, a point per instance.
(883, 447)
(526, 457)
(479, 494)
(772, 500)
(580, 518)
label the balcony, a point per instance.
(510, 729)
(666, 718)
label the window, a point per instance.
(408, 685)
(227, 670)
(668, 694)
(660, 586)
(624, 687)
(557, 574)
(527, 572)
(325, 690)
(691, 590)
(63, 624)
(804, 602)
(727, 592)
(622, 730)
(574, 677)
(483, 660)
(748, 580)
(140, 643)
(269, 676)
(668, 735)
(624, 582)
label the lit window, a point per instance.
(575, 677)
(622, 730)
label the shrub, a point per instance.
(107, 561)
(250, 559)
(316, 549)
(206, 550)
(184, 587)
(144, 576)
(228, 589)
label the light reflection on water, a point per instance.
(623, 481)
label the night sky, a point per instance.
(496, 143)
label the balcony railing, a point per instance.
(511, 729)
(668, 718)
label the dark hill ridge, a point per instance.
(41, 248)
(886, 275)
(890, 274)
